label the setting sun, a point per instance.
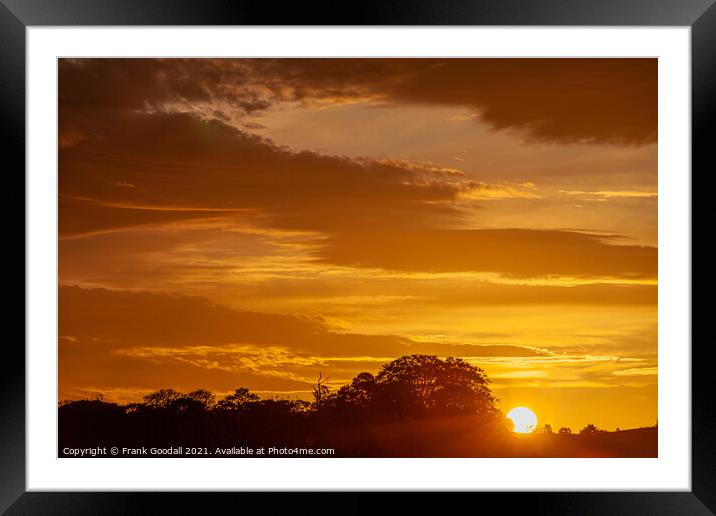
(524, 419)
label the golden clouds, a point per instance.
(485, 192)
(434, 213)
(172, 334)
(638, 371)
(607, 194)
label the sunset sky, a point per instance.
(237, 222)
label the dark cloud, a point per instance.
(87, 85)
(514, 252)
(183, 167)
(562, 100)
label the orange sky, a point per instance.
(238, 222)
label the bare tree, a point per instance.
(320, 390)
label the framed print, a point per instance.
(418, 248)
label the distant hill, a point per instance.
(638, 442)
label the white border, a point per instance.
(670, 471)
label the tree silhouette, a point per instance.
(161, 398)
(237, 401)
(173, 401)
(202, 396)
(422, 385)
(359, 393)
(565, 430)
(591, 429)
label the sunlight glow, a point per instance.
(524, 420)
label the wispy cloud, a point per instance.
(602, 195)
(640, 371)
(489, 192)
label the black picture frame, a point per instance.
(17, 15)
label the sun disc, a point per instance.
(523, 419)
